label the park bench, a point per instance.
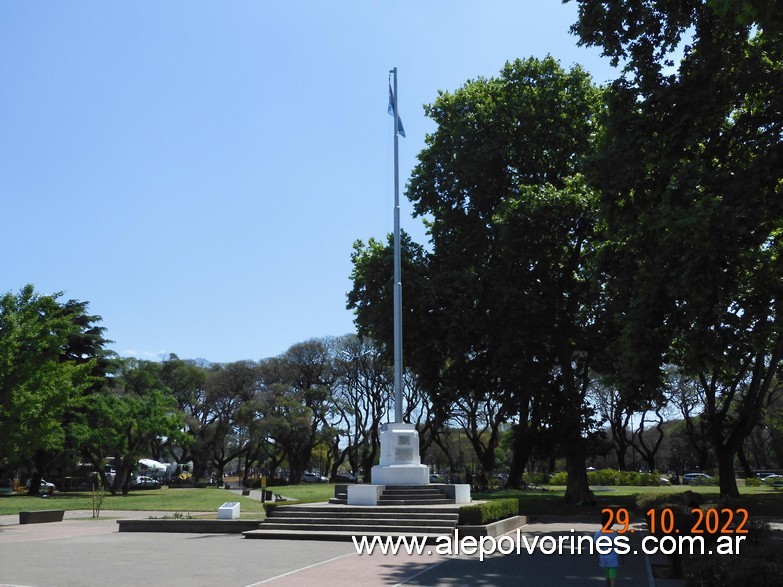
(41, 516)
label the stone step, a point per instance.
(396, 523)
(428, 486)
(412, 488)
(384, 502)
(394, 517)
(419, 496)
(350, 510)
(368, 529)
(323, 513)
(413, 494)
(261, 533)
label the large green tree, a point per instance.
(690, 171)
(43, 373)
(127, 420)
(501, 302)
(511, 230)
(296, 392)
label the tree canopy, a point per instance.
(43, 370)
(690, 175)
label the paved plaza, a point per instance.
(83, 552)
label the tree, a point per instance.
(647, 440)
(614, 411)
(297, 388)
(510, 231)
(690, 171)
(41, 379)
(231, 390)
(362, 397)
(124, 421)
(186, 382)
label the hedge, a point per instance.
(758, 563)
(488, 512)
(612, 477)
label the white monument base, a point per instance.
(364, 494)
(401, 475)
(400, 461)
(400, 465)
(460, 492)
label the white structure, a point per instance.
(400, 461)
(229, 511)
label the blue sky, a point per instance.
(198, 171)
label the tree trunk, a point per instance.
(518, 462)
(728, 481)
(523, 448)
(524, 435)
(35, 484)
(621, 458)
(744, 461)
(578, 488)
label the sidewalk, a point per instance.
(82, 552)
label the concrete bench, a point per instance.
(41, 516)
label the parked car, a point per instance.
(773, 479)
(143, 482)
(689, 478)
(345, 478)
(313, 478)
(46, 487)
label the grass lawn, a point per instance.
(164, 499)
(169, 500)
(759, 501)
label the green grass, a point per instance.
(164, 499)
(307, 492)
(759, 501)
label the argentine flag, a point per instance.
(400, 129)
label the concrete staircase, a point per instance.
(413, 495)
(400, 495)
(421, 511)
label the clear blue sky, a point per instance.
(198, 170)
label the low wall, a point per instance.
(364, 494)
(41, 516)
(460, 492)
(189, 526)
(494, 529)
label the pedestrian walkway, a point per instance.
(82, 552)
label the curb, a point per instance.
(494, 529)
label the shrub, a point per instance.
(536, 478)
(612, 477)
(602, 477)
(560, 478)
(705, 481)
(645, 501)
(758, 563)
(488, 512)
(752, 482)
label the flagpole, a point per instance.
(397, 265)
